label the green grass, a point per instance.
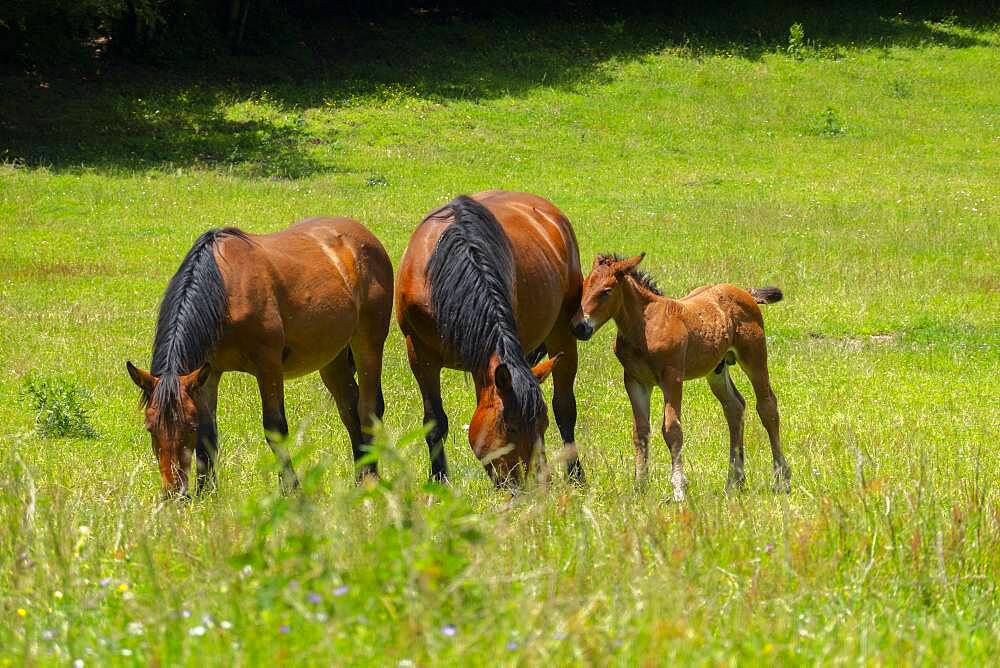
(860, 177)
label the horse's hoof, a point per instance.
(783, 483)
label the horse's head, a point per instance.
(507, 431)
(601, 297)
(172, 421)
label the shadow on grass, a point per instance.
(123, 117)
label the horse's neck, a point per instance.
(632, 314)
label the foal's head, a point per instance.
(172, 421)
(601, 297)
(507, 431)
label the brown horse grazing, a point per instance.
(662, 341)
(484, 279)
(315, 296)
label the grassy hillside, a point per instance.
(861, 176)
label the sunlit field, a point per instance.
(861, 176)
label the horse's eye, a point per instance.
(603, 294)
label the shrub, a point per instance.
(797, 41)
(59, 406)
(830, 123)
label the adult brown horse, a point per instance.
(315, 296)
(663, 342)
(484, 279)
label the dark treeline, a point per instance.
(68, 31)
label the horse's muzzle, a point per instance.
(584, 329)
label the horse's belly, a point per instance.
(312, 349)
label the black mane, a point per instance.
(190, 321)
(471, 273)
(644, 279)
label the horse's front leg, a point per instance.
(426, 367)
(672, 385)
(271, 382)
(207, 448)
(561, 342)
(638, 396)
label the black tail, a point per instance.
(471, 273)
(768, 295)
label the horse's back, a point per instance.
(309, 286)
(337, 251)
(720, 313)
(538, 232)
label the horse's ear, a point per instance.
(504, 382)
(624, 266)
(542, 370)
(197, 378)
(144, 380)
(597, 261)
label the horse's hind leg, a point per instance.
(368, 350)
(752, 356)
(426, 369)
(733, 406)
(271, 383)
(207, 448)
(338, 376)
(563, 399)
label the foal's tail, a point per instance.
(768, 295)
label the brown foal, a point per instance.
(315, 296)
(663, 342)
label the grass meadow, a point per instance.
(862, 176)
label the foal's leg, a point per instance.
(672, 385)
(733, 406)
(271, 382)
(368, 350)
(562, 341)
(207, 448)
(753, 360)
(638, 396)
(426, 369)
(338, 376)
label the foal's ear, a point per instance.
(143, 379)
(197, 378)
(626, 265)
(542, 370)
